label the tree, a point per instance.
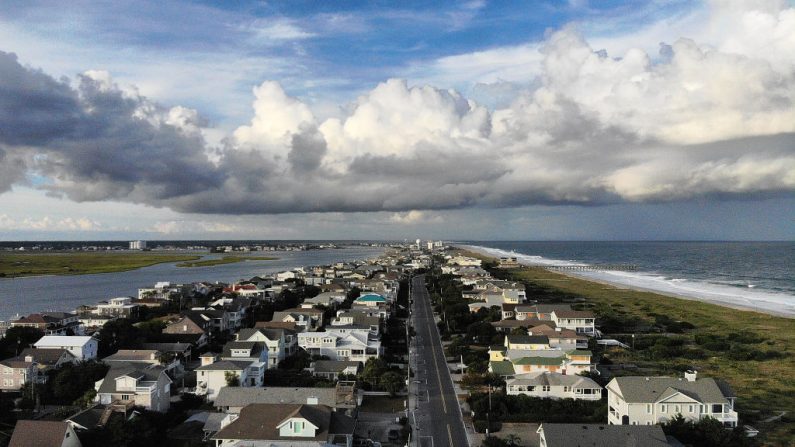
(71, 382)
(707, 432)
(18, 338)
(118, 334)
(392, 382)
(232, 379)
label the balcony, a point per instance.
(146, 389)
(727, 416)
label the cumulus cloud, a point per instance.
(47, 223)
(583, 127)
(415, 217)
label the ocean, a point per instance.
(758, 275)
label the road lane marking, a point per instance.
(450, 435)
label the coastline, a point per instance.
(772, 308)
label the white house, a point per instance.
(653, 400)
(141, 385)
(117, 307)
(554, 386)
(280, 343)
(582, 322)
(341, 343)
(285, 425)
(215, 374)
(82, 347)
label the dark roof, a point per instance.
(233, 396)
(137, 370)
(47, 357)
(226, 365)
(270, 333)
(38, 434)
(333, 365)
(285, 325)
(88, 418)
(260, 421)
(168, 347)
(574, 314)
(599, 435)
(530, 322)
(255, 348)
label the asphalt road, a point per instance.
(437, 414)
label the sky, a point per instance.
(479, 120)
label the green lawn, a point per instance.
(30, 264)
(717, 345)
(224, 260)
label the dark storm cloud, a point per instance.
(307, 150)
(593, 130)
(34, 107)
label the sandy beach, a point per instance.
(779, 305)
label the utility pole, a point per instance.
(488, 414)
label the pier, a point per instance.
(594, 268)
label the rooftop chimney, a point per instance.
(208, 358)
(690, 375)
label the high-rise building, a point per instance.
(137, 245)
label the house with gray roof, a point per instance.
(653, 400)
(332, 369)
(283, 425)
(138, 384)
(215, 374)
(43, 434)
(279, 343)
(233, 399)
(549, 385)
(600, 435)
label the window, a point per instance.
(677, 409)
(690, 408)
(648, 408)
(663, 409)
(545, 388)
(125, 397)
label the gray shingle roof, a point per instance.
(259, 421)
(542, 378)
(327, 366)
(652, 389)
(240, 397)
(226, 365)
(137, 370)
(599, 435)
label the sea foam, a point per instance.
(748, 297)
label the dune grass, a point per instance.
(80, 263)
(752, 351)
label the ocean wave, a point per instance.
(748, 295)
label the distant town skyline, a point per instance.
(471, 120)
